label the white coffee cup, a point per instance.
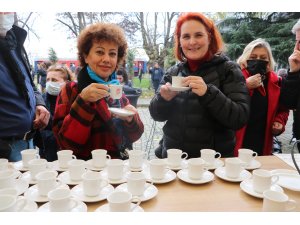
(115, 169)
(263, 180)
(29, 154)
(115, 91)
(35, 166)
(76, 168)
(247, 155)
(158, 169)
(60, 200)
(210, 156)
(275, 201)
(120, 201)
(47, 181)
(93, 183)
(64, 156)
(175, 156)
(99, 158)
(177, 81)
(136, 158)
(12, 203)
(233, 167)
(196, 168)
(3, 164)
(137, 183)
(7, 178)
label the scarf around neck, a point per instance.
(111, 80)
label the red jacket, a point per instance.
(82, 127)
(276, 113)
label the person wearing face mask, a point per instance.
(213, 102)
(22, 108)
(57, 76)
(83, 118)
(267, 117)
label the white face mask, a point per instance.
(6, 22)
(53, 88)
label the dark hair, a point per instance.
(98, 32)
(122, 72)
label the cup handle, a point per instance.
(74, 157)
(104, 183)
(134, 199)
(37, 156)
(254, 155)
(21, 203)
(291, 205)
(74, 202)
(185, 155)
(275, 178)
(108, 156)
(58, 183)
(217, 155)
(149, 183)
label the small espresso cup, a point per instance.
(177, 81)
(137, 183)
(4, 164)
(115, 169)
(274, 201)
(136, 158)
(233, 167)
(263, 180)
(210, 156)
(158, 169)
(93, 183)
(47, 181)
(64, 156)
(7, 179)
(196, 168)
(12, 203)
(175, 156)
(35, 166)
(120, 201)
(29, 154)
(60, 200)
(247, 155)
(99, 158)
(76, 169)
(115, 91)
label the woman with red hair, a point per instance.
(216, 102)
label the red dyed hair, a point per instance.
(216, 42)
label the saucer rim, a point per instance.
(154, 192)
(254, 193)
(216, 165)
(144, 166)
(257, 164)
(115, 182)
(239, 179)
(125, 112)
(183, 165)
(56, 166)
(45, 207)
(90, 166)
(171, 173)
(137, 209)
(63, 174)
(90, 200)
(179, 89)
(190, 181)
(40, 198)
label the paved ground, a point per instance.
(153, 131)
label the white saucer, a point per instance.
(65, 178)
(54, 166)
(19, 166)
(82, 207)
(253, 165)
(289, 179)
(247, 186)
(121, 112)
(20, 186)
(176, 168)
(105, 208)
(220, 172)
(179, 88)
(78, 193)
(169, 176)
(218, 163)
(33, 194)
(144, 166)
(27, 176)
(31, 206)
(89, 165)
(183, 175)
(148, 194)
(103, 174)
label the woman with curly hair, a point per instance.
(82, 120)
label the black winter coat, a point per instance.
(193, 122)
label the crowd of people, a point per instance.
(226, 106)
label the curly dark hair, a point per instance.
(99, 32)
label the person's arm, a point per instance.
(290, 91)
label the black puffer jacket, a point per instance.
(209, 121)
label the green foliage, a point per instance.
(52, 56)
(170, 59)
(130, 61)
